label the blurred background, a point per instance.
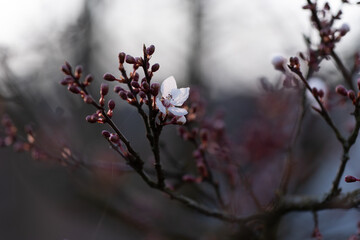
(223, 47)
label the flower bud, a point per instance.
(66, 68)
(341, 90)
(73, 89)
(150, 50)
(122, 56)
(104, 89)
(278, 62)
(117, 89)
(344, 29)
(88, 99)
(349, 179)
(155, 67)
(123, 95)
(91, 118)
(67, 80)
(130, 95)
(155, 89)
(135, 84)
(130, 59)
(136, 77)
(114, 138)
(106, 134)
(142, 94)
(88, 79)
(109, 77)
(111, 104)
(351, 95)
(145, 86)
(78, 71)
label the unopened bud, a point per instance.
(88, 99)
(349, 179)
(114, 138)
(278, 62)
(109, 77)
(142, 94)
(351, 95)
(78, 71)
(111, 104)
(106, 134)
(88, 79)
(66, 68)
(135, 84)
(130, 95)
(104, 89)
(73, 89)
(67, 80)
(155, 89)
(117, 89)
(155, 67)
(150, 50)
(130, 59)
(344, 29)
(145, 86)
(122, 56)
(340, 89)
(123, 95)
(91, 118)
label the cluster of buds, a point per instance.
(350, 94)
(323, 19)
(12, 139)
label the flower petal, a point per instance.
(161, 107)
(167, 85)
(179, 96)
(178, 111)
(181, 120)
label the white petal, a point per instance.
(179, 96)
(181, 120)
(167, 85)
(178, 111)
(160, 106)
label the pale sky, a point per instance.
(245, 34)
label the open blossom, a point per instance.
(171, 99)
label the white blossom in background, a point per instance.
(171, 99)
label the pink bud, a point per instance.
(350, 179)
(122, 56)
(135, 84)
(104, 89)
(351, 95)
(106, 134)
(88, 99)
(111, 104)
(155, 89)
(123, 95)
(66, 68)
(340, 89)
(155, 67)
(130, 59)
(78, 71)
(88, 79)
(114, 138)
(109, 77)
(150, 50)
(73, 89)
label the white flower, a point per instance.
(172, 99)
